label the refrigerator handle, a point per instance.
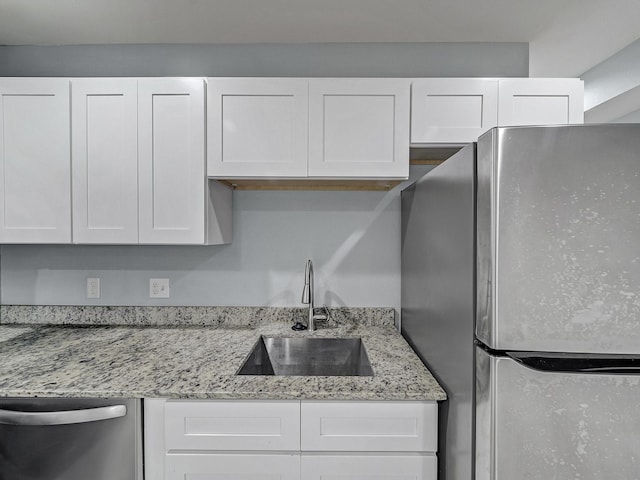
(578, 363)
(11, 417)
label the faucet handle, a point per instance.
(322, 316)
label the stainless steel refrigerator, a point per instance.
(521, 293)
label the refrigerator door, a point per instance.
(558, 258)
(554, 426)
(437, 297)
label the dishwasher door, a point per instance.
(70, 439)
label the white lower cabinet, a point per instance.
(232, 425)
(369, 426)
(369, 467)
(232, 466)
(287, 440)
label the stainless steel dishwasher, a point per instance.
(70, 439)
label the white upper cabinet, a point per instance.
(300, 128)
(359, 128)
(257, 127)
(35, 161)
(105, 160)
(452, 110)
(171, 146)
(540, 101)
(139, 164)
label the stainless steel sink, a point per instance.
(307, 356)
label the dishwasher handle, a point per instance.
(12, 417)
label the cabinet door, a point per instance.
(232, 425)
(35, 161)
(359, 128)
(540, 101)
(171, 162)
(364, 467)
(257, 127)
(105, 160)
(232, 466)
(452, 110)
(369, 426)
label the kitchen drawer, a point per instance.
(362, 467)
(232, 425)
(232, 466)
(369, 426)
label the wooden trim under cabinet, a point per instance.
(332, 185)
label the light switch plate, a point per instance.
(158, 288)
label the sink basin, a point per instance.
(307, 356)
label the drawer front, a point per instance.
(369, 426)
(236, 467)
(232, 425)
(361, 467)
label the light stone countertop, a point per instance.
(183, 360)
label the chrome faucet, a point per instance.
(307, 298)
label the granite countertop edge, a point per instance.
(193, 359)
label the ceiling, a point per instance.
(566, 36)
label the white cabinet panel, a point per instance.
(452, 110)
(105, 160)
(232, 466)
(364, 467)
(35, 199)
(369, 426)
(359, 128)
(540, 101)
(171, 160)
(233, 425)
(257, 127)
(207, 439)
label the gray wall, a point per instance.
(320, 60)
(615, 76)
(352, 237)
(633, 117)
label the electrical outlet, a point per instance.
(93, 287)
(158, 288)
